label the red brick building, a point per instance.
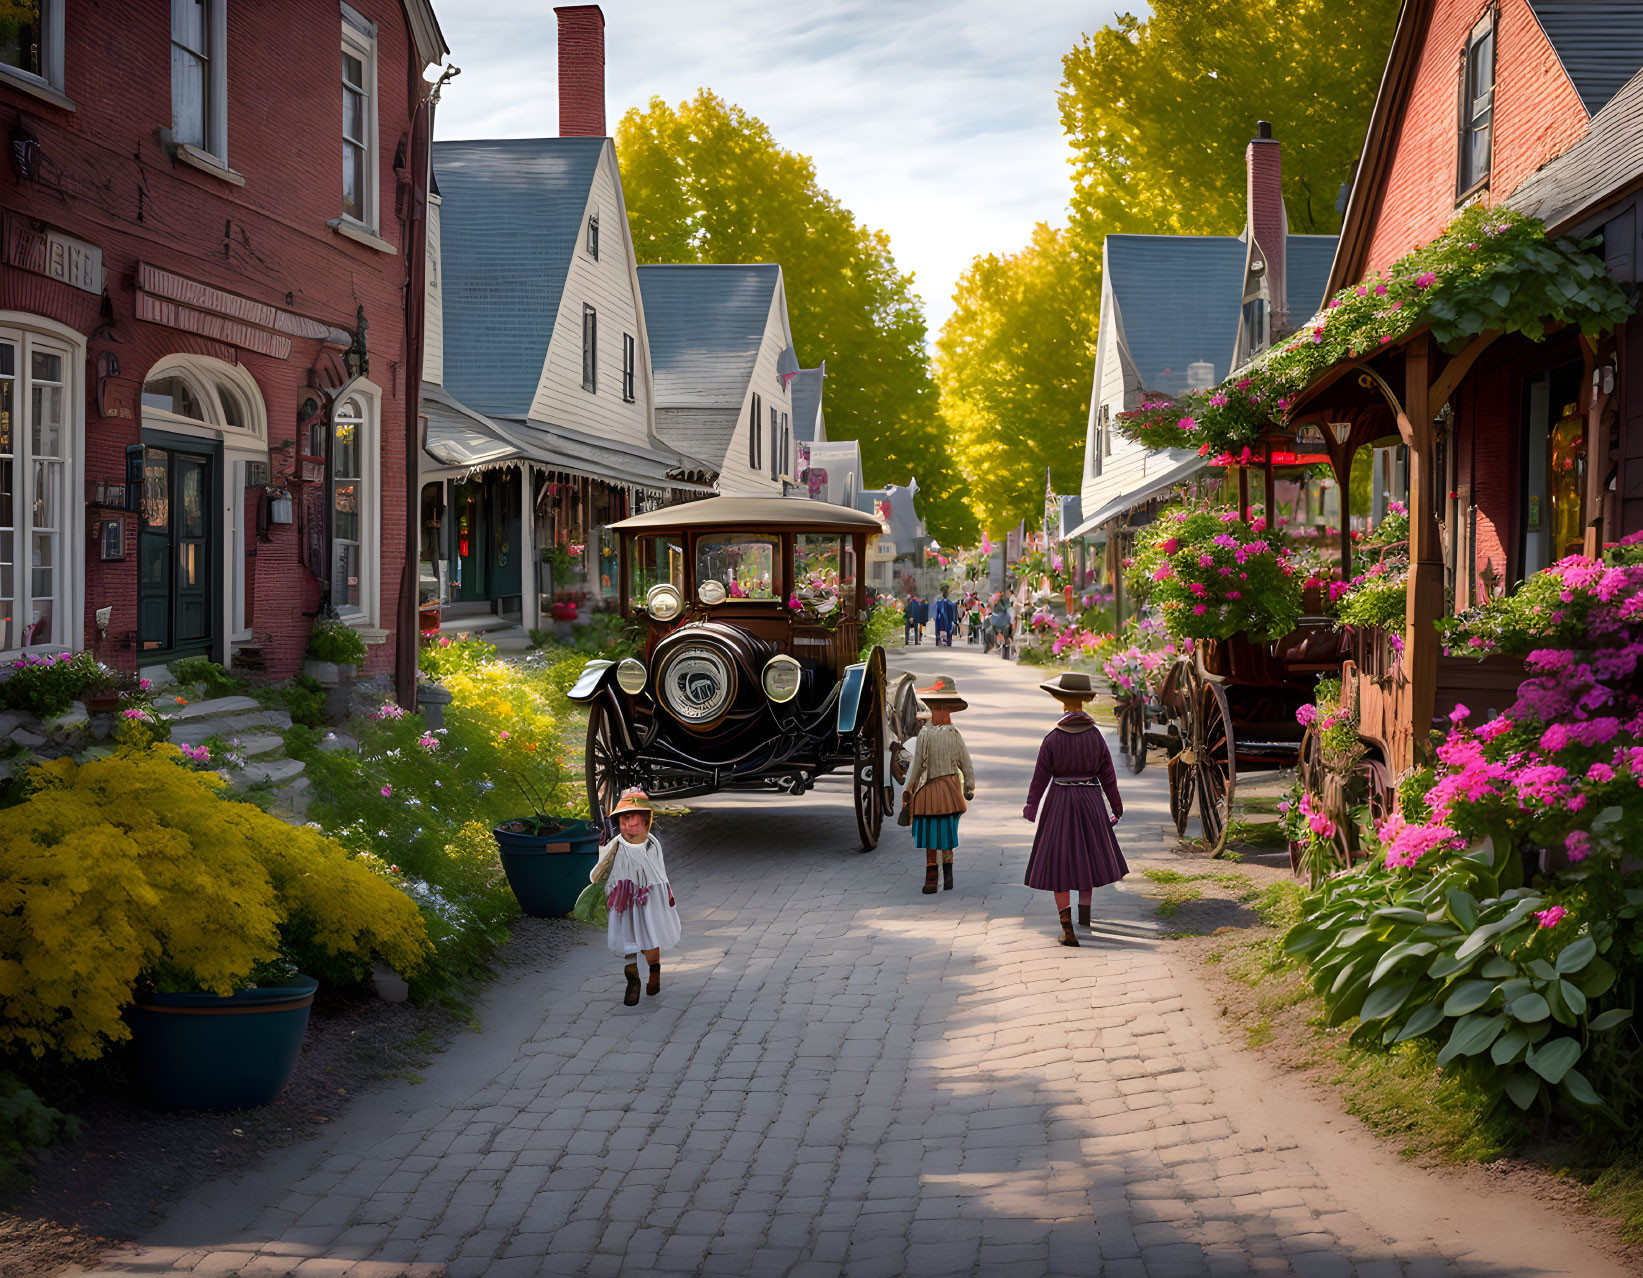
(210, 325)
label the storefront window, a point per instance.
(34, 524)
(749, 564)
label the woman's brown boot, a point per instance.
(1068, 936)
(631, 998)
(1083, 914)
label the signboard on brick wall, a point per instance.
(33, 246)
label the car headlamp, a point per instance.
(664, 602)
(630, 676)
(711, 592)
(781, 678)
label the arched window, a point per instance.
(353, 485)
(198, 395)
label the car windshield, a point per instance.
(655, 560)
(749, 564)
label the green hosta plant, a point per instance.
(1495, 975)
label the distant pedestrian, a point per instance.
(1074, 845)
(642, 915)
(941, 781)
(921, 609)
(946, 619)
(909, 620)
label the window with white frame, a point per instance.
(347, 425)
(775, 444)
(630, 360)
(199, 90)
(593, 237)
(38, 442)
(31, 42)
(787, 447)
(753, 428)
(198, 395)
(359, 119)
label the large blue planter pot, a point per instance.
(199, 1051)
(548, 861)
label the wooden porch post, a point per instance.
(530, 596)
(1425, 589)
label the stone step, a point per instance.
(257, 744)
(214, 708)
(274, 772)
(194, 731)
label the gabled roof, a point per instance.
(1307, 262)
(1179, 298)
(706, 323)
(1608, 159)
(806, 391)
(1599, 42)
(510, 221)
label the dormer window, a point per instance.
(593, 237)
(1477, 107)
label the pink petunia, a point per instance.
(1426, 279)
(1551, 917)
(387, 791)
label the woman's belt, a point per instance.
(1076, 780)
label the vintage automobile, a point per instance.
(751, 676)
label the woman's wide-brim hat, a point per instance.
(634, 800)
(942, 695)
(1070, 685)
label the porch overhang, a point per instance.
(1167, 478)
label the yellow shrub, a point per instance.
(116, 870)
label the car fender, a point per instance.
(855, 678)
(588, 682)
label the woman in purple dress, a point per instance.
(1074, 846)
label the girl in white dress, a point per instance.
(642, 916)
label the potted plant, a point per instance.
(181, 918)
(335, 650)
(47, 684)
(547, 860)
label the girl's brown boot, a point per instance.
(1068, 936)
(631, 998)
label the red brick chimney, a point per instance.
(581, 71)
(1268, 225)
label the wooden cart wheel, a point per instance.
(1215, 752)
(1132, 734)
(606, 769)
(868, 787)
(1183, 788)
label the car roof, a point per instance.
(794, 514)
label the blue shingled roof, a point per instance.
(1307, 259)
(705, 323)
(510, 219)
(1599, 42)
(1179, 296)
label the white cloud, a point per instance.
(935, 122)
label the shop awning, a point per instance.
(1151, 487)
(460, 438)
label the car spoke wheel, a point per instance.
(1217, 764)
(868, 787)
(606, 769)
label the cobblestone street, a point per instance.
(842, 1076)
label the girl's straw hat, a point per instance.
(1070, 685)
(634, 800)
(943, 695)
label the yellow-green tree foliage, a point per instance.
(120, 870)
(1157, 113)
(1013, 362)
(706, 182)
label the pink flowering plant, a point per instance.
(1490, 269)
(1210, 575)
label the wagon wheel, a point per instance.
(1132, 740)
(606, 769)
(868, 787)
(1183, 787)
(1215, 753)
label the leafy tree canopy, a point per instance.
(1157, 114)
(706, 182)
(1013, 362)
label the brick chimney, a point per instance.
(581, 71)
(1268, 225)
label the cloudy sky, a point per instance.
(935, 121)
